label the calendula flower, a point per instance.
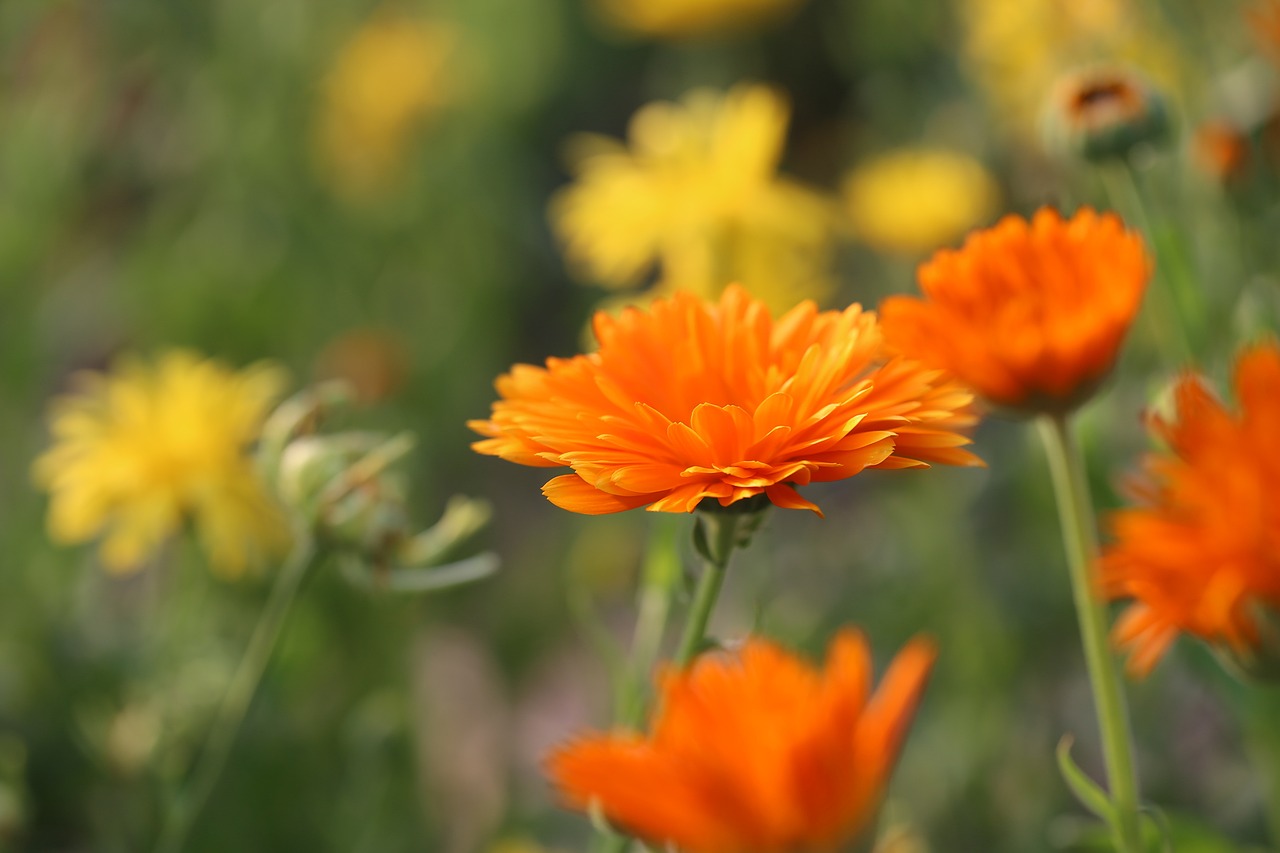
(755, 752)
(141, 450)
(693, 400)
(696, 194)
(1017, 49)
(387, 79)
(914, 200)
(1200, 553)
(1031, 314)
(675, 19)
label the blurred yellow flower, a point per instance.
(390, 76)
(138, 451)
(696, 193)
(692, 18)
(1018, 48)
(914, 200)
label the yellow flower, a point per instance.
(673, 19)
(1019, 48)
(914, 200)
(696, 193)
(138, 451)
(387, 79)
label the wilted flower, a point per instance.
(674, 19)
(390, 76)
(914, 200)
(1030, 315)
(1102, 114)
(755, 752)
(1200, 553)
(694, 400)
(141, 450)
(696, 193)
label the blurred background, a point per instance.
(377, 191)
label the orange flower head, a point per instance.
(1029, 314)
(691, 400)
(757, 752)
(1221, 151)
(1201, 552)
(1103, 113)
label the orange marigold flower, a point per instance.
(1202, 550)
(691, 400)
(756, 752)
(1029, 314)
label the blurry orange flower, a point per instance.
(1103, 113)
(1029, 314)
(756, 752)
(694, 400)
(1203, 547)
(1221, 151)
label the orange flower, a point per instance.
(1029, 314)
(691, 400)
(754, 753)
(1202, 551)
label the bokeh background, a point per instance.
(361, 190)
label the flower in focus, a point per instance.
(1030, 315)
(140, 450)
(914, 200)
(696, 194)
(755, 752)
(1018, 48)
(694, 400)
(1104, 113)
(1201, 552)
(674, 19)
(388, 78)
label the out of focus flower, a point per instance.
(1199, 554)
(1264, 19)
(694, 400)
(1031, 314)
(1103, 113)
(696, 194)
(755, 752)
(141, 450)
(1018, 48)
(373, 363)
(914, 200)
(675, 19)
(1221, 151)
(390, 76)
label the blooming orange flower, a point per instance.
(691, 400)
(1203, 547)
(756, 752)
(1029, 314)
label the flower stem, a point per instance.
(191, 799)
(719, 532)
(1075, 511)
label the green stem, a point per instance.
(1075, 512)
(718, 538)
(190, 801)
(719, 535)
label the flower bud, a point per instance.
(1103, 114)
(351, 495)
